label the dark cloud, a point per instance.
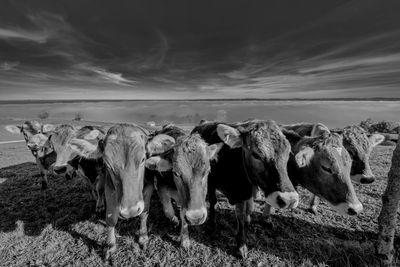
(199, 49)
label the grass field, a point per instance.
(57, 227)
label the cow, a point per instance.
(124, 150)
(322, 165)
(34, 135)
(58, 140)
(182, 175)
(357, 143)
(255, 154)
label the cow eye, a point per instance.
(326, 169)
(256, 156)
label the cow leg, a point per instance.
(249, 211)
(100, 205)
(43, 174)
(143, 237)
(314, 204)
(112, 211)
(212, 199)
(387, 219)
(165, 198)
(267, 212)
(241, 215)
(184, 236)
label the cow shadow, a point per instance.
(65, 203)
(23, 201)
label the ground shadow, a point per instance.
(65, 203)
(21, 199)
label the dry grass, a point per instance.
(57, 227)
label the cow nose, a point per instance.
(60, 169)
(196, 217)
(129, 212)
(355, 209)
(287, 199)
(367, 180)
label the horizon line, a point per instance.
(16, 101)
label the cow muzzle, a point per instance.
(349, 209)
(133, 211)
(60, 169)
(283, 200)
(363, 179)
(196, 217)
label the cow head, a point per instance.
(265, 155)
(123, 150)
(359, 146)
(322, 165)
(189, 160)
(28, 129)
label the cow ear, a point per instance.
(159, 144)
(85, 149)
(229, 135)
(212, 150)
(13, 129)
(303, 157)
(48, 128)
(158, 163)
(94, 134)
(376, 139)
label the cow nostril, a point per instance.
(60, 170)
(351, 211)
(280, 201)
(367, 180)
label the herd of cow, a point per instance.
(126, 162)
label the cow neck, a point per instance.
(245, 168)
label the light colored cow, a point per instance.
(355, 141)
(182, 175)
(124, 150)
(35, 137)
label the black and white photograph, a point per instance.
(199, 133)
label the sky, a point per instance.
(157, 49)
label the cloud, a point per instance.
(102, 73)
(38, 37)
(6, 66)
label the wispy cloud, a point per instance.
(103, 74)
(38, 37)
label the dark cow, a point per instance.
(35, 138)
(123, 151)
(255, 154)
(355, 141)
(66, 158)
(182, 175)
(322, 165)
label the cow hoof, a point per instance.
(44, 186)
(109, 251)
(267, 223)
(313, 210)
(143, 241)
(243, 251)
(185, 243)
(100, 209)
(175, 221)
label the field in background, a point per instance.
(57, 227)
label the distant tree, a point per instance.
(43, 115)
(78, 116)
